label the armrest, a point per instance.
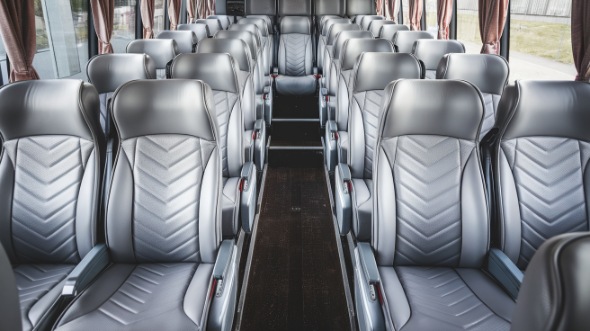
(332, 127)
(224, 288)
(324, 92)
(505, 272)
(223, 261)
(368, 264)
(90, 266)
(370, 303)
(259, 143)
(248, 196)
(343, 187)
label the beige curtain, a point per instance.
(174, 13)
(379, 7)
(191, 8)
(444, 14)
(147, 18)
(202, 6)
(103, 12)
(581, 38)
(492, 18)
(17, 26)
(390, 10)
(210, 7)
(416, 7)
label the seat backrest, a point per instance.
(375, 27)
(220, 73)
(430, 206)
(109, 71)
(331, 21)
(431, 51)
(10, 305)
(261, 7)
(224, 20)
(404, 40)
(51, 166)
(162, 51)
(267, 19)
(323, 20)
(166, 183)
(389, 30)
(540, 170)
(487, 72)
(324, 8)
(359, 7)
(371, 74)
(259, 22)
(343, 36)
(251, 39)
(295, 46)
(186, 41)
(294, 8)
(333, 65)
(554, 295)
(201, 30)
(213, 24)
(335, 29)
(367, 19)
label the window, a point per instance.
(123, 25)
(431, 19)
(540, 40)
(468, 25)
(62, 38)
(159, 19)
(3, 63)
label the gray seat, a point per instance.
(220, 72)
(295, 57)
(294, 8)
(255, 127)
(224, 20)
(489, 73)
(213, 24)
(258, 8)
(356, 9)
(540, 162)
(167, 260)
(422, 269)
(366, 20)
(186, 41)
(375, 27)
(403, 41)
(371, 74)
(388, 31)
(201, 30)
(554, 295)
(326, 23)
(430, 52)
(271, 32)
(267, 42)
(50, 180)
(322, 21)
(9, 305)
(109, 71)
(161, 51)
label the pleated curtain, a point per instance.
(17, 26)
(103, 12)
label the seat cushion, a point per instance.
(445, 299)
(296, 85)
(39, 285)
(142, 297)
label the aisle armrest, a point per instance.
(330, 145)
(343, 188)
(368, 289)
(505, 272)
(259, 139)
(86, 271)
(248, 196)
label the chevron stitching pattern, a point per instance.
(34, 281)
(489, 118)
(427, 172)
(549, 182)
(441, 297)
(168, 171)
(224, 103)
(150, 291)
(371, 108)
(48, 173)
(295, 51)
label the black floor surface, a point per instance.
(295, 280)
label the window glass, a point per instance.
(468, 25)
(123, 25)
(159, 19)
(540, 40)
(62, 38)
(431, 21)
(3, 67)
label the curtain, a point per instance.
(103, 12)
(174, 13)
(492, 18)
(17, 26)
(202, 5)
(416, 7)
(191, 8)
(390, 10)
(379, 7)
(444, 14)
(147, 18)
(581, 38)
(210, 7)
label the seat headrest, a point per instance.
(259, 22)
(335, 29)
(404, 40)
(248, 27)
(109, 71)
(267, 19)
(172, 106)
(201, 30)
(213, 24)
(376, 25)
(248, 37)
(323, 21)
(374, 71)
(554, 295)
(389, 30)
(431, 51)
(448, 108)
(329, 22)
(344, 36)
(353, 48)
(159, 50)
(216, 69)
(486, 71)
(49, 107)
(223, 20)
(185, 40)
(237, 48)
(295, 24)
(546, 109)
(367, 19)
(294, 7)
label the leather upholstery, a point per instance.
(554, 294)
(185, 40)
(331, 21)
(251, 39)
(213, 24)
(9, 305)
(224, 20)
(488, 72)
(332, 63)
(359, 7)
(430, 52)
(540, 164)
(50, 178)
(367, 19)
(376, 27)
(260, 7)
(298, 25)
(335, 29)
(201, 30)
(404, 40)
(329, 7)
(294, 8)
(161, 51)
(389, 30)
